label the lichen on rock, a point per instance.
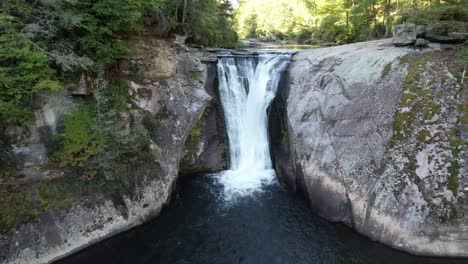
(424, 132)
(369, 128)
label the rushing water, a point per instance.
(273, 226)
(268, 226)
(247, 85)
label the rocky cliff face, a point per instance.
(374, 135)
(169, 83)
(377, 141)
(205, 148)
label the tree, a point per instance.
(24, 71)
(209, 23)
(340, 21)
(387, 17)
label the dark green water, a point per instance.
(273, 226)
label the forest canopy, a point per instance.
(41, 40)
(339, 21)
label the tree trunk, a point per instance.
(184, 14)
(347, 23)
(387, 18)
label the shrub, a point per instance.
(24, 71)
(7, 159)
(79, 141)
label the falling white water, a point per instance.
(247, 85)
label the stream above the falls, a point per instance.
(271, 226)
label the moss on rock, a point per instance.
(191, 147)
(453, 179)
(423, 135)
(427, 130)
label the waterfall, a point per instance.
(247, 85)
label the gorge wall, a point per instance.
(375, 136)
(372, 134)
(171, 87)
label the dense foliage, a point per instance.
(97, 143)
(44, 41)
(211, 24)
(339, 21)
(24, 70)
(39, 38)
(79, 141)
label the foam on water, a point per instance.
(247, 85)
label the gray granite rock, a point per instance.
(341, 106)
(420, 31)
(205, 148)
(447, 32)
(420, 42)
(177, 99)
(404, 34)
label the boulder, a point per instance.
(353, 161)
(459, 35)
(269, 38)
(447, 32)
(420, 31)
(420, 42)
(436, 46)
(215, 50)
(404, 34)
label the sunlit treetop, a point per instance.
(339, 21)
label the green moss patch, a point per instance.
(8, 162)
(453, 179)
(150, 123)
(17, 206)
(190, 149)
(386, 70)
(420, 103)
(23, 202)
(430, 111)
(417, 99)
(399, 126)
(423, 135)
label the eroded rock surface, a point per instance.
(168, 84)
(404, 34)
(447, 32)
(356, 116)
(205, 148)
